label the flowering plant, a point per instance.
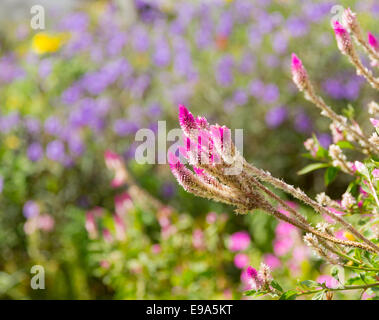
(211, 153)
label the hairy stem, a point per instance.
(297, 193)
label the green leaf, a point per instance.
(345, 145)
(334, 272)
(330, 175)
(318, 295)
(289, 295)
(249, 292)
(276, 286)
(309, 284)
(312, 167)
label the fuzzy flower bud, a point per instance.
(373, 107)
(299, 74)
(339, 159)
(254, 279)
(311, 146)
(372, 41)
(344, 42)
(347, 200)
(349, 20)
(374, 139)
(337, 132)
(323, 199)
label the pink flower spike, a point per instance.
(173, 161)
(343, 38)
(202, 122)
(373, 42)
(374, 122)
(299, 74)
(296, 65)
(251, 272)
(339, 28)
(198, 171)
(186, 120)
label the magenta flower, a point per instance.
(329, 281)
(239, 241)
(373, 42)
(272, 261)
(299, 74)
(343, 38)
(254, 279)
(241, 260)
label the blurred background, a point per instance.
(72, 97)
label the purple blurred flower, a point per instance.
(77, 21)
(155, 110)
(225, 25)
(53, 126)
(45, 68)
(35, 151)
(302, 123)
(123, 127)
(279, 42)
(55, 150)
(75, 144)
(240, 97)
(276, 116)
(316, 11)
(256, 88)
(255, 37)
(297, 26)
(168, 190)
(325, 140)
(162, 53)
(140, 39)
(71, 94)
(334, 88)
(9, 121)
(31, 209)
(1, 184)
(32, 125)
(224, 75)
(10, 71)
(116, 43)
(271, 93)
(247, 63)
(271, 61)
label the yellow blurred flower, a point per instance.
(12, 142)
(46, 43)
(349, 236)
